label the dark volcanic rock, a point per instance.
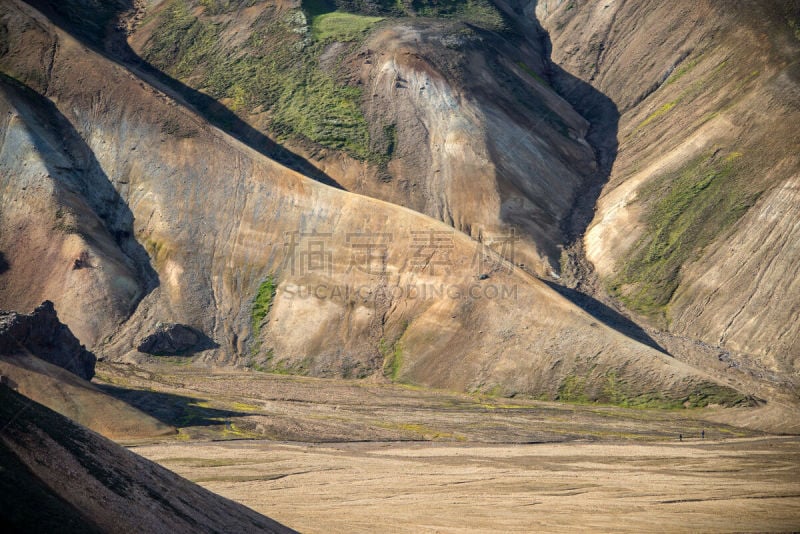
(44, 336)
(173, 339)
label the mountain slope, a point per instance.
(79, 400)
(689, 112)
(59, 475)
(271, 264)
(696, 230)
(443, 111)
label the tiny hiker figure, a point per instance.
(680, 437)
(703, 434)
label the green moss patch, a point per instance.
(392, 358)
(344, 27)
(532, 73)
(262, 303)
(614, 390)
(657, 114)
(573, 389)
(685, 211)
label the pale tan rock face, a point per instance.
(473, 159)
(214, 218)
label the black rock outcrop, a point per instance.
(44, 336)
(171, 339)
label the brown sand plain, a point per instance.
(325, 455)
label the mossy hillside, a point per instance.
(480, 13)
(274, 71)
(342, 27)
(392, 358)
(685, 211)
(265, 360)
(393, 352)
(710, 82)
(532, 73)
(217, 7)
(614, 390)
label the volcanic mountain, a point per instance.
(402, 190)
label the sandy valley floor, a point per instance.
(750, 484)
(363, 456)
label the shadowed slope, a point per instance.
(73, 232)
(93, 484)
(79, 400)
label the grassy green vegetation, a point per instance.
(179, 361)
(480, 13)
(685, 211)
(158, 250)
(709, 83)
(275, 70)
(262, 303)
(795, 27)
(255, 365)
(573, 389)
(217, 7)
(266, 363)
(244, 407)
(343, 27)
(173, 127)
(616, 392)
(709, 393)
(681, 71)
(233, 431)
(657, 114)
(390, 134)
(285, 368)
(392, 358)
(66, 222)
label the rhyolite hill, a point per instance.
(156, 155)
